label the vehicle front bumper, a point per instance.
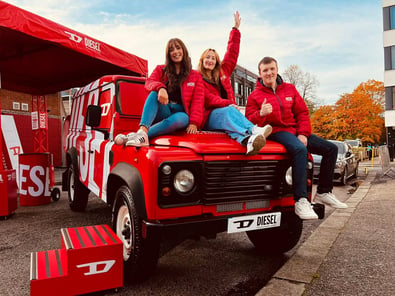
(207, 226)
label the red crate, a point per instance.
(90, 260)
(8, 192)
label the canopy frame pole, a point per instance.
(39, 124)
(1, 137)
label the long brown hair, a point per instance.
(215, 72)
(170, 68)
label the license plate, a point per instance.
(254, 222)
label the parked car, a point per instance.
(354, 143)
(346, 164)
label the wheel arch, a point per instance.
(126, 174)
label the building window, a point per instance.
(236, 88)
(392, 17)
(389, 18)
(389, 57)
(390, 98)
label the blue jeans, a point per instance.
(162, 119)
(298, 152)
(231, 121)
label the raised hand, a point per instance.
(237, 17)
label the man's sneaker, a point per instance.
(265, 131)
(329, 199)
(121, 139)
(255, 143)
(304, 210)
(138, 139)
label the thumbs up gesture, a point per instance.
(266, 108)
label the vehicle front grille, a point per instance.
(228, 181)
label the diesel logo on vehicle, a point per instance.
(254, 222)
(244, 223)
(266, 220)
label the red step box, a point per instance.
(8, 193)
(90, 260)
(48, 273)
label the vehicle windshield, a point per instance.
(353, 143)
(340, 147)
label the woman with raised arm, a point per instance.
(175, 101)
(221, 112)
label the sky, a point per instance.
(339, 42)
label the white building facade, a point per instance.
(389, 71)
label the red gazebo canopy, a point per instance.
(39, 57)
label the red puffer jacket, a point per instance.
(212, 93)
(192, 92)
(289, 114)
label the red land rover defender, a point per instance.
(181, 186)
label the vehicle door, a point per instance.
(94, 153)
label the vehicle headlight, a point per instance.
(184, 181)
(288, 176)
(340, 164)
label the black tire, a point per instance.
(55, 194)
(278, 240)
(140, 255)
(77, 192)
(356, 170)
(343, 179)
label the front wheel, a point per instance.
(280, 239)
(344, 177)
(140, 255)
(356, 170)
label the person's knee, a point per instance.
(180, 120)
(300, 149)
(332, 148)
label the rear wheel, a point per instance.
(356, 170)
(77, 192)
(140, 255)
(280, 239)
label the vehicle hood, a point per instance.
(212, 143)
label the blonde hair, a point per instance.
(215, 72)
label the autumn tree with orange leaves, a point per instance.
(354, 116)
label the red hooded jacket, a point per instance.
(289, 114)
(212, 93)
(192, 92)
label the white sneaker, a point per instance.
(138, 139)
(329, 199)
(265, 131)
(121, 139)
(304, 210)
(255, 143)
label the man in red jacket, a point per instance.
(279, 104)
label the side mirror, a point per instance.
(93, 115)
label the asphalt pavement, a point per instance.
(352, 251)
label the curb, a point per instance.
(301, 269)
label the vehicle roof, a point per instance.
(105, 80)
